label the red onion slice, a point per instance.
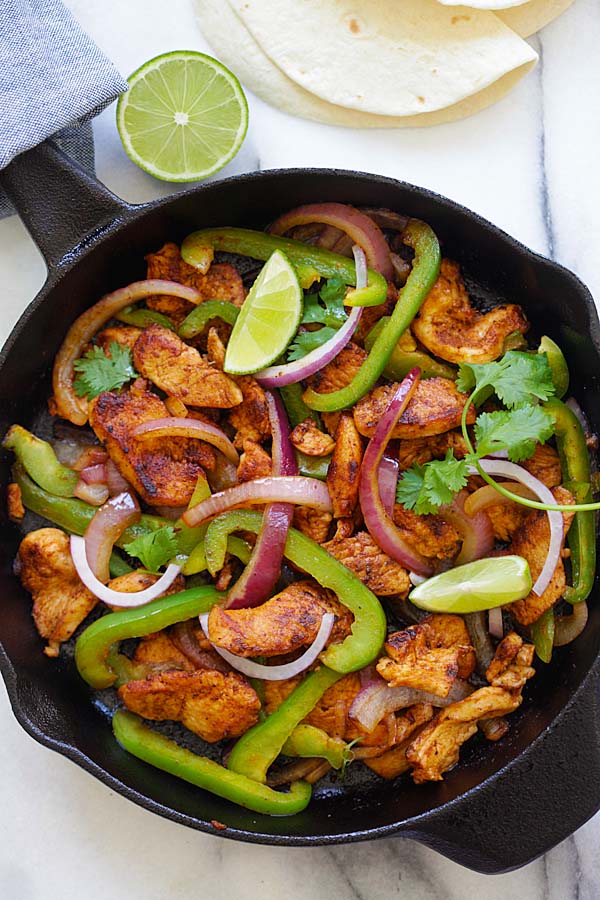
(276, 673)
(387, 479)
(94, 494)
(116, 483)
(477, 532)
(377, 700)
(106, 527)
(555, 519)
(172, 426)
(117, 598)
(378, 522)
(360, 228)
(495, 623)
(293, 372)
(259, 577)
(97, 474)
(274, 489)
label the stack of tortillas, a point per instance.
(377, 63)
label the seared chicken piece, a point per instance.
(251, 418)
(431, 535)
(254, 462)
(545, 465)
(450, 328)
(506, 518)
(429, 656)
(139, 580)
(125, 335)
(531, 541)
(372, 314)
(60, 600)
(158, 650)
(181, 372)
(221, 282)
(393, 762)
(343, 474)
(289, 620)
(423, 450)
(163, 472)
(436, 406)
(214, 705)
(379, 572)
(309, 439)
(436, 748)
(215, 348)
(340, 371)
(14, 503)
(313, 523)
(511, 665)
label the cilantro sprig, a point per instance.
(98, 373)
(520, 381)
(155, 549)
(326, 308)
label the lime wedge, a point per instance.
(184, 116)
(478, 585)
(268, 320)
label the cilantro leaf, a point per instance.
(306, 341)
(98, 372)
(426, 488)
(516, 379)
(154, 549)
(332, 313)
(517, 431)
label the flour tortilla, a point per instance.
(235, 46)
(532, 16)
(392, 58)
(493, 5)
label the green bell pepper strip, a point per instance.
(307, 741)
(93, 645)
(311, 263)
(558, 365)
(575, 464)
(118, 566)
(142, 318)
(141, 741)
(542, 634)
(298, 411)
(196, 321)
(39, 460)
(425, 268)
(196, 561)
(260, 746)
(369, 626)
(313, 466)
(402, 361)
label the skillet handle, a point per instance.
(58, 201)
(546, 794)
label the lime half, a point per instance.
(478, 585)
(268, 320)
(184, 116)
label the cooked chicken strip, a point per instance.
(393, 762)
(181, 372)
(251, 418)
(254, 462)
(343, 474)
(309, 439)
(422, 450)
(431, 535)
(125, 335)
(449, 327)
(214, 705)
(163, 472)
(381, 574)
(511, 666)
(221, 282)
(289, 620)
(436, 406)
(60, 600)
(340, 371)
(313, 523)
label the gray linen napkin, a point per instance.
(53, 78)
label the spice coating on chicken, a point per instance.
(532, 541)
(254, 462)
(124, 335)
(164, 472)
(379, 572)
(431, 535)
(251, 417)
(286, 622)
(180, 371)
(429, 656)
(314, 523)
(214, 705)
(221, 282)
(60, 600)
(435, 407)
(340, 371)
(423, 450)
(394, 762)
(343, 473)
(449, 327)
(511, 666)
(310, 440)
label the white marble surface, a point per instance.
(530, 165)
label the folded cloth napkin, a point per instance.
(53, 78)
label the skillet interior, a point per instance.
(54, 704)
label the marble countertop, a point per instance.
(530, 165)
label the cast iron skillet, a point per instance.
(505, 803)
